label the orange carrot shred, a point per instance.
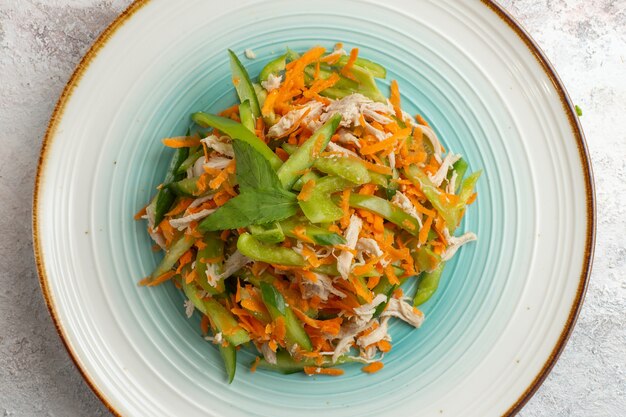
(346, 71)
(395, 99)
(255, 364)
(373, 367)
(307, 190)
(423, 233)
(345, 206)
(313, 370)
(181, 142)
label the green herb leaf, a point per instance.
(254, 172)
(329, 239)
(252, 207)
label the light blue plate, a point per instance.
(506, 303)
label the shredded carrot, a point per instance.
(391, 275)
(268, 106)
(388, 143)
(395, 99)
(321, 85)
(368, 189)
(140, 213)
(346, 71)
(381, 169)
(384, 345)
(204, 324)
(191, 277)
(255, 364)
(345, 206)
(307, 190)
(180, 207)
(472, 198)
(421, 120)
(160, 279)
(279, 328)
(181, 142)
(361, 290)
(314, 370)
(373, 367)
(373, 282)
(282, 154)
(300, 232)
(228, 111)
(221, 198)
(423, 233)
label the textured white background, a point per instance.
(42, 40)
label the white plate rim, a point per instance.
(508, 19)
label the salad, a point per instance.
(291, 220)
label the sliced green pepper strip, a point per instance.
(343, 167)
(180, 245)
(460, 167)
(214, 248)
(229, 356)
(223, 319)
(304, 157)
(271, 254)
(246, 116)
(387, 210)
(275, 303)
(243, 85)
(374, 68)
(319, 235)
(237, 131)
(325, 72)
(187, 187)
(451, 213)
(367, 87)
(274, 67)
(426, 259)
(379, 179)
(428, 284)
(165, 197)
(319, 208)
(189, 161)
(285, 364)
(311, 175)
(267, 233)
(261, 93)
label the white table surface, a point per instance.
(42, 40)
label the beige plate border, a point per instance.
(506, 18)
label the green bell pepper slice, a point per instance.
(275, 303)
(246, 116)
(243, 85)
(286, 364)
(267, 233)
(165, 197)
(214, 248)
(347, 168)
(387, 210)
(274, 67)
(181, 244)
(271, 254)
(237, 131)
(428, 284)
(319, 235)
(223, 319)
(229, 356)
(303, 157)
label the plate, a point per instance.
(507, 304)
